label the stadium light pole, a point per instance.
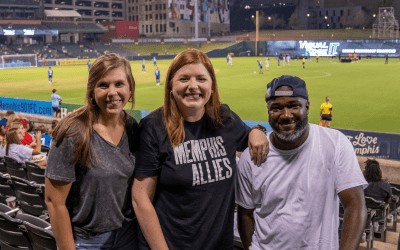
(257, 27)
(196, 20)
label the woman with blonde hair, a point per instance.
(12, 118)
(90, 164)
(183, 191)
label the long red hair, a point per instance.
(173, 120)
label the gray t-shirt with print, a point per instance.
(99, 199)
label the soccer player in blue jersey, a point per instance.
(143, 66)
(50, 73)
(157, 76)
(88, 65)
(227, 58)
(261, 67)
(155, 62)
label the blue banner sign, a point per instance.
(26, 32)
(26, 106)
(371, 47)
(374, 144)
(17, 65)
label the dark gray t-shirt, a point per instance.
(99, 199)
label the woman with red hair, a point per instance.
(183, 191)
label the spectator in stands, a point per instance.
(30, 128)
(27, 137)
(53, 126)
(6, 116)
(90, 158)
(377, 188)
(55, 103)
(12, 118)
(185, 213)
(19, 152)
(45, 139)
(292, 200)
(2, 141)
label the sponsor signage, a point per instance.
(376, 48)
(26, 106)
(374, 144)
(26, 32)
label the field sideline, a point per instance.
(364, 95)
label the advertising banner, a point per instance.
(26, 32)
(26, 106)
(67, 108)
(374, 144)
(74, 62)
(373, 48)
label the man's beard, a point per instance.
(299, 131)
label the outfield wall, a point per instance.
(363, 48)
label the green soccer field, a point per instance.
(364, 95)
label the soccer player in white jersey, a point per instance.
(157, 73)
(292, 200)
(143, 66)
(267, 63)
(50, 74)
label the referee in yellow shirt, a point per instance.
(325, 113)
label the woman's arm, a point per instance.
(143, 189)
(38, 149)
(55, 197)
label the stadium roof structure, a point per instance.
(75, 27)
(62, 13)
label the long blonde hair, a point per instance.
(80, 122)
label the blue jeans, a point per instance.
(124, 238)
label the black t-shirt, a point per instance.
(194, 198)
(380, 190)
(99, 199)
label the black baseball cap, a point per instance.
(299, 88)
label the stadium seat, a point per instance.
(11, 236)
(3, 168)
(30, 196)
(369, 228)
(381, 212)
(45, 149)
(35, 172)
(39, 232)
(394, 205)
(5, 189)
(15, 168)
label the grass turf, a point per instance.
(364, 95)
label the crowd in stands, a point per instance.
(21, 140)
(65, 50)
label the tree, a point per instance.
(346, 21)
(261, 19)
(360, 19)
(274, 21)
(281, 22)
(294, 21)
